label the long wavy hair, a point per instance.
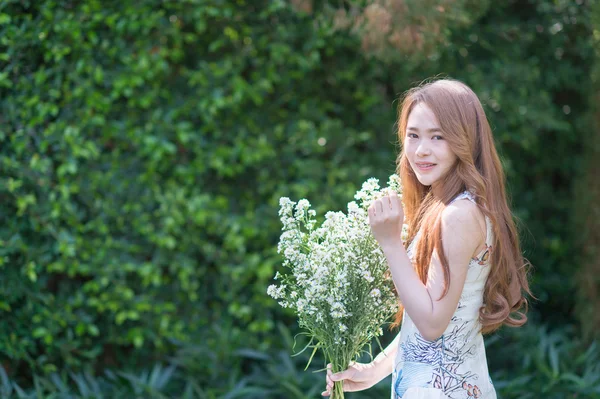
(478, 169)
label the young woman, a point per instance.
(461, 272)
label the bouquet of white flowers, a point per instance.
(337, 282)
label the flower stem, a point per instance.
(338, 390)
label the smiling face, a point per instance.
(426, 149)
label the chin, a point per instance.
(426, 181)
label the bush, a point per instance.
(145, 145)
(587, 210)
(144, 149)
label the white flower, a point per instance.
(353, 207)
(338, 311)
(395, 183)
(275, 291)
(290, 252)
(328, 264)
(367, 276)
(301, 304)
(404, 233)
(301, 209)
(284, 202)
(332, 217)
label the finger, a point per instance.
(397, 204)
(379, 207)
(339, 376)
(344, 375)
(392, 202)
(371, 212)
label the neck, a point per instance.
(436, 189)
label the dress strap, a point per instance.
(464, 195)
(489, 234)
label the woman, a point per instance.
(461, 273)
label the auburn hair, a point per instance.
(477, 169)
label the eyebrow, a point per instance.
(434, 130)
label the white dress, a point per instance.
(453, 366)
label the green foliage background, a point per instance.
(144, 146)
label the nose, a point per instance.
(423, 149)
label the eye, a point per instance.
(412, 136)
(438, 137)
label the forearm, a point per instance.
(384, 362)
(412, 292)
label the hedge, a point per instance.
(145, 145)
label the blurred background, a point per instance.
(144, 146)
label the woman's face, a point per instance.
(428, 153)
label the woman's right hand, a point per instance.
(357, 377)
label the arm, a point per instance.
(384, 362)
(462, 235)
(360, 376)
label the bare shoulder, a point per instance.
(462, 211)
(463, 220)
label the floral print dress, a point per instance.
(453, 366)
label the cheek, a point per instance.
(446, 153)
(409, 148)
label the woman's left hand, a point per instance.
(386, 217)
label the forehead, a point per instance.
(422, 117)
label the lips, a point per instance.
(425, 166)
